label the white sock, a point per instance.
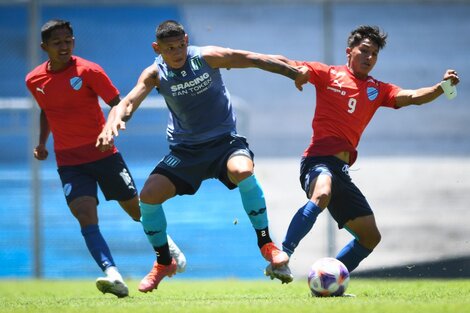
(113, 273)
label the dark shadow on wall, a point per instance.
(458, 267)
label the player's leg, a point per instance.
(317, 184)
(157, 189)
(351, 210)
(367, 237)
(85, 210)
(240, 171)
(81, 195)
(116, 182)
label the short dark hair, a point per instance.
(373, 33)
(50, 26)
(169, 28)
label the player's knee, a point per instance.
(321, 197)
(239, 175)
(147, 195)
(157, 189)
(371, 240)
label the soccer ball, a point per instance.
(328, 277)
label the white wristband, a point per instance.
(449, 90)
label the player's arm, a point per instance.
(122, 112)
(286, 60)
(40, 152)
(424, 95)
(218, 57)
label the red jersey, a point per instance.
(345, 106)
(69, 98)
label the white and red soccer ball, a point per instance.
(328, 277)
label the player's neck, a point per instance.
(358, 75)
(58, 66)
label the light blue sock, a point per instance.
(352, 254)
(253, 202)
(154, 222)
(97, 246)
(301, 224)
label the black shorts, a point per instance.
(347, 201)
(188, 165)
(110, 173)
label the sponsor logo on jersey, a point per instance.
(195, 63)
(196, 85)
(76, 82)
(171, 161)
(372, 93)
(41, 90)
(336, 90)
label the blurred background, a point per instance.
(413, 164)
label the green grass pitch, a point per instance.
(195, 296)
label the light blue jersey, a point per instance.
(199, 104)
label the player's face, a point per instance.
(362, 58)
(174, 50)
(59, 48)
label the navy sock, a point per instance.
(352, 254)
(301, 224)
(97, 246)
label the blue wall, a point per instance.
(119, 38)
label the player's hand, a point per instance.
(302, 77)
(453, 76)
(105, 140)
(40, 152)
(117, 125)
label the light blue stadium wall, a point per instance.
(419, 51)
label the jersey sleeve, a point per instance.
(101, 83)
(390, 91)
(318, 71)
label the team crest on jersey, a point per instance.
(195, 63)
(76, 82)
(372, 93)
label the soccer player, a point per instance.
(67, 87)
(347, 98)
(202, 134)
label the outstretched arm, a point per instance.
(218, 57)
(122, 112)
(420, 96)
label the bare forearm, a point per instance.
(44, 129)
(418, 96)
(427, 94)
(274, 65)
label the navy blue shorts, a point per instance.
(347, 201)
(188, 165)
(110, 173)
